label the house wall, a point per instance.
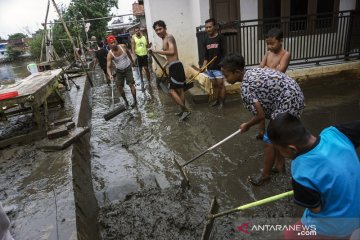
(248, 9)
(182, 18)
(346, 5)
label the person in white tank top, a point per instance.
(121, 57)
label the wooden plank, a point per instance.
(28, 87)
(58, 132)
(25, 138)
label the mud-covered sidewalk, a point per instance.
(120, 181)
(36, 187)
(138, 186)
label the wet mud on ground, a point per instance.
(34, 187)
(135, 181)
(138, 186)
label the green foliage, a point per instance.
(35, 44)
(89, 9)
(75, 13)
(61, 41)
(17, 36)
(13, 53)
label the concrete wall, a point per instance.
(248, 9)
(346, 5)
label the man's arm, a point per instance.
(263, 61)
(222, 45)
(133, 45)
(109, 66)
(260, 115)
(284, 63)
(128, 54)
(171, 50)
(95, 62)
(148, 44)
(206, 54)
(351, 130)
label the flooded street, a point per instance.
(138, 186)
(131, 175)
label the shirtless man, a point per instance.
(276, 57)
(121, 57)
(176, 69)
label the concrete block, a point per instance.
(198, 95)
(70, 125)
(57, 132)
(61, 121)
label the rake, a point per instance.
(214, 207)
(181, 166)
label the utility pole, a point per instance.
(86, 30)
(73, 44)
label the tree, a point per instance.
(13, 53)
(17, 36)
(89, 9)
(35, 43)
(78, 9)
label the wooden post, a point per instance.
(45, 31)
(72, 43)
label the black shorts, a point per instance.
(142, 61)
(177, 75)
(105, 70)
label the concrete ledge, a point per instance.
(300, 75)
(203, 84)
(308, 73)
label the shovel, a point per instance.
(161, 83)
(181, 166)
(214, 206)
(116, 111)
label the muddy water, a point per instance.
(16, 70)
(138, 187)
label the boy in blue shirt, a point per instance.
(325, 174)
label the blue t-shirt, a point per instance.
(329, 175)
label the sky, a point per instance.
(27, 15)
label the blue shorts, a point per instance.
(266, 138)
(214, 74)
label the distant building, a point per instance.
(123, 29)
(136, 19)
(3, 50)
(20, 44)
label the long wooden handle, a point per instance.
(158, 63)
(203, 68)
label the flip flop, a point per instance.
(178, 114)
(184, 116)
(258, 180)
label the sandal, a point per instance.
(259, 136)
(258, 180)
(178, 114)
